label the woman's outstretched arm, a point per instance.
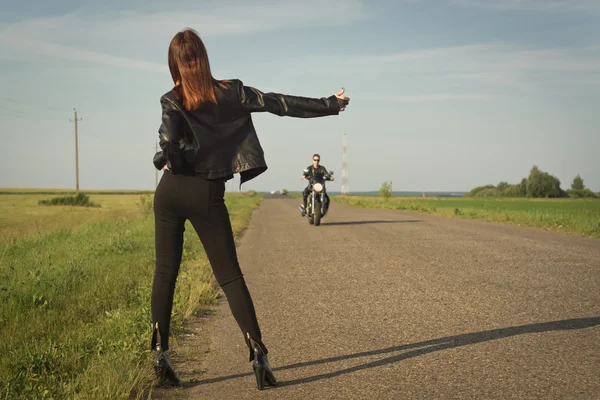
(253, 100)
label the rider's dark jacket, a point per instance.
(219, 140)
(311, 170)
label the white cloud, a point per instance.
(25, 47)
(456, 73)
(480, 58)
(499, 64)
(447, 73)
(424, 98)
(89, 37)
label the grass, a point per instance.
(573, 216)
(75, 294)
(21, 214)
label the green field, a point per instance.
(574, 216)
(75, 292)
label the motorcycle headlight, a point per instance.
(318, 187)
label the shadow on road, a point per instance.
(418, 349)
(368, 222)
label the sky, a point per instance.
(446, 95)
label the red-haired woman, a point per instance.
(206, 136)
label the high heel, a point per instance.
(260, 365)
(260, 376)
(163, 367)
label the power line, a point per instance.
(27, 117)
(28, 113)
(13, 114)
(29, 105)
(13, 111)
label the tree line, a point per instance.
(538, 184)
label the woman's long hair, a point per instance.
(190, 70)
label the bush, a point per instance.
(502, 186)
(481, 191)
(502, 190)
(582, 193)
(538, 184)
(81, 200)
(512, 191)
(386, 190)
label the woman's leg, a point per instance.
(169, 229)
(214, 229)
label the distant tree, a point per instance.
(386, 190)
(502, 186)
(542, 184)
(534, 182)
(511, 191)
(523, 188)
(577, 183)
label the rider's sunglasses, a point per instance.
(316, 159)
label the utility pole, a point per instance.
(76, 153)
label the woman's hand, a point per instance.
(343, 100)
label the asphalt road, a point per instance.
(378, 304)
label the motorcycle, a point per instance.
(317, 202)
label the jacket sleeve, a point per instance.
(253, 100)
(170, 139)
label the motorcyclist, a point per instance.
(312, 169)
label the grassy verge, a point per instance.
(22, 215)
(574, 216)
(75, 297)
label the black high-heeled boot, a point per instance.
(262, 370)
(163, 367)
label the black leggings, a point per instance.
(179, 198)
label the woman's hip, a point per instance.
(187, 193)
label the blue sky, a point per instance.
(445, 95)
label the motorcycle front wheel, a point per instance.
(317, 213)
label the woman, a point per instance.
(206, 136)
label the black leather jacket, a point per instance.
(312, 170)
(219, 140)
